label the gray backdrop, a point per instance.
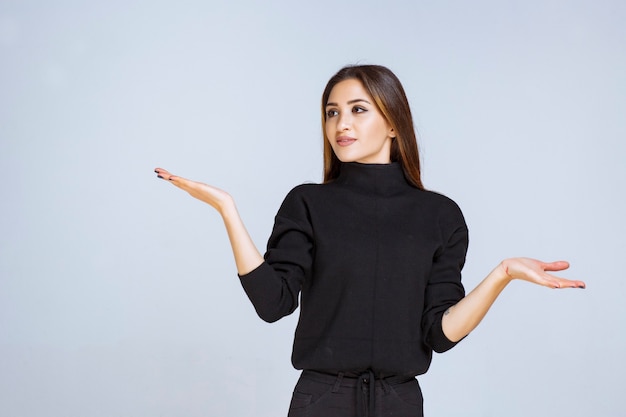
(118, 293)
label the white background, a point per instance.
(118, 293)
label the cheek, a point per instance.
(383, 130)
(327, 132)
(329, 129)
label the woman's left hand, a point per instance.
(535, 271)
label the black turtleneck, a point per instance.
(375, 261)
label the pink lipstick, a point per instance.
(345, 140)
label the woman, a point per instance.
(375, 259)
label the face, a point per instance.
(355, 128)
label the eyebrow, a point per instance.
(349, 102)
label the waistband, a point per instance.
(351, 379)
(365, 384)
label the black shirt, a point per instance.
(376, 263)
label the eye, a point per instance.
(331, 113)
(358, 109)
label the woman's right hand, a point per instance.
(247, 256)
(217, 198)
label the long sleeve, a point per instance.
(274, 287)
(444, 287)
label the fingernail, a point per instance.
(582, 287)
(159, 176)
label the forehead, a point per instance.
(348, 90)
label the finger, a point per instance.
(558, 282)
(162, 173)
(166, 175)
(190, 186)
(179, 182)
(555, 266)
(549, 280)
(568, 283)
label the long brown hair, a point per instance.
(389, 96)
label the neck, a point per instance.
(375, 179)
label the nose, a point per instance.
(344, 121)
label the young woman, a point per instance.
(374, 258)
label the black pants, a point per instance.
(323, 395)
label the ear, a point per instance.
(392, 133)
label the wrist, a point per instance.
(502, 272)
(227, 208)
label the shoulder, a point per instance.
(438, 200)
(446, 209)
(304, 191)
(305, 188)
(297, 201)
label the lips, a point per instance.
(345, 140)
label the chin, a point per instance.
(345, 160)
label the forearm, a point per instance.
(247, 256)
(459, 320)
